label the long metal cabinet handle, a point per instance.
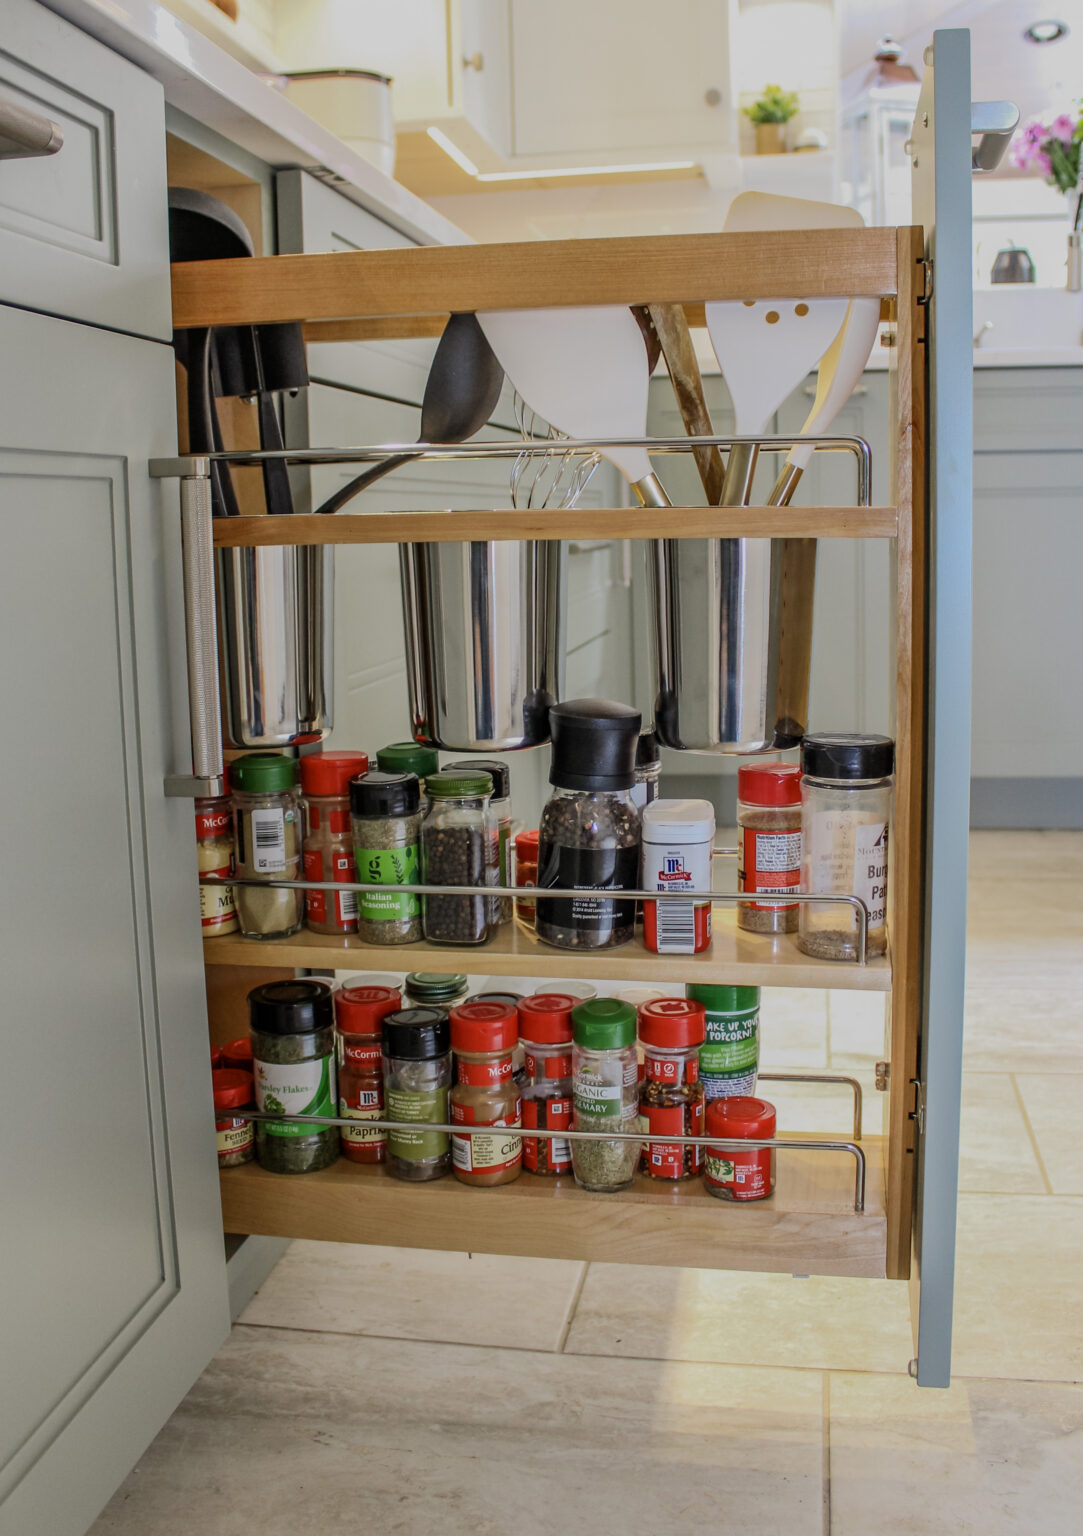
(197, 553)
(993, 122)
(24, 134)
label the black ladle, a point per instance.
(461, 392)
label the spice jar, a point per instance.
(435, 989)
(417, 1076)
(671, 1031)
(728, 1172)
(648, 770)
(458, 847)
(236, 1134)
(359, 1012)
(483, 1037)
(845, 813)
(214, 854)
(266, 820)
(385, 818)
(545, 1029)
(678, 839)
(327, 848)
(605, 1092)
(293, 1053)
(526, 874)
(589, 833)
(500, 805)
(410, 757)
(730, 1055)
(768, 843)
(237, 1055)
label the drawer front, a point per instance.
(1027, 410)
(84, 232)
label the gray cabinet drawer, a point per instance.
(1028, 410)
(84, 232)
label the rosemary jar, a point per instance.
(435, 989)
(671, 1031)
(293, 1055)
(845, 815)
(589, 833)
(459, 845)
(605, 1093)
(359, 1014)
(214, 852)
(410, 757)
(417, 1077)
(385, 819)
(768, 844)
(267, 826)
(235, 1133)
(545, 1030)
(483, 1037)
(327, 849)
(500, 805)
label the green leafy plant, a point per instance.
(774, 106)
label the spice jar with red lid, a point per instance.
(526, 874)
(238, 1054)
(671, 1031)
(768, 844)
(730, 1173)
(545, 1029)
(359, 1014)
(216, 1057)
(236, 1134)
(327, 848)
(483, 1038)
(214, 850)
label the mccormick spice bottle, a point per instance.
(483, 1037)
(589, 833)
(545, 1029)
(671, 1031)
(327, 849)
(730, 1173)
(459, 846)
(678, 839)
(385, 817)
(236, 1135)
(417, 1076)
(293, 1053)
(526, 874)
(605, 1093)
(214, 851)
(359, 1013)
(768, 843)
(730, 1055)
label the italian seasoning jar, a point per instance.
(359, 1014)
(768, 844)
(327, 849)
(845, 815)
(483, 1037)
(435, 989)
(417, 1077)
(293, 1054)
(214, 852)
(267, 834)
(459, 846)
(605, 1093)
(671, 1031)
(589, 833)
(545, 1029)
(500, 806)
(385, 816)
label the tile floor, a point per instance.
(407, 1392)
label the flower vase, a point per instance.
(1075, 261)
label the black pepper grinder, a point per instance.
(589, 833)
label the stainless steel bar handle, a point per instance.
(24, 134)
(994, 122)
(197, 553)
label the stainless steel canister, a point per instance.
(484, 641)
(276, 629)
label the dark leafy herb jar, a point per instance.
(435, 989)
(293, 1055)
(417, 1079)
(459, 846)
(500, 805)
(590, 832)
(385, 817)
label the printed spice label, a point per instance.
(295, 1088)
(388, 866)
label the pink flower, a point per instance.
(1062, 128)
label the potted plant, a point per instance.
(770, 114)
(1056, 150)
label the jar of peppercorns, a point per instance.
(671, 1031)
(460, 845)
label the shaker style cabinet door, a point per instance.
(112, 1271)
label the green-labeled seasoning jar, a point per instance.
(267, 838)
(605, 1092)
(410, 757)
(293, 1058)
(385, 816)
(729, 1058)
(434, 989)
(417, 1077)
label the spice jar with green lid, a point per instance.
(729, 1058)
(267, 835)
(410, 757)
(417, 1079)
(385, 816)
(435, 989)
(293, 1057)
(605, 1092)
(459, 846)
(500, 805)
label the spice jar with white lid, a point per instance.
(483, 1037)
(678, 839)
(267, 828)
(327, 849)
(768, 843)
(545, 1030)
(846, 783)
(605, 1093)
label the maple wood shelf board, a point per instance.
(809, 1225)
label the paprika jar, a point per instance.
(545, 1031)
(214, 851)
(768, 843)
(327, 849)
(671, 1031)
(359, 1014)
(730, 1173)
(526, 874)
(417, 1076)
(483, 1037)
(236, 1134)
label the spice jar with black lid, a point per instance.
(385, 815)
(293, 1057)
(410, 757)
(590, 831)
(671, 1031)
(267, 836)
(768, 843)
(483, 1037)
(500, 805)
(417, 1077)
(459, 846)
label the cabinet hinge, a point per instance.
(918, 1112)
(883, 1076)
(927, 283)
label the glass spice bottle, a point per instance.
(589, 833)
(483, 1037)
(293, 1053)
(671, 1031)
(410, 757)
(458, 847)
(730, 1173)
(236, 1135)
(359, 1013)
(605, 1093)
(267, 821)
(214, 854)
(545, 1030)
(435, 989)
(327, 849)
(845, 815)
(768, 843)
(385, 818)
(526, 874)
(417, 1077)
(500, 805)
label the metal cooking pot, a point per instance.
(1012, 265)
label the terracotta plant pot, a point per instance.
(770, 138)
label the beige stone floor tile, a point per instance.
(996, 1154)
(735, 1318)
(1012, 1027)
(1011, 855)
(410, 1293)
(1054, 1107)
(984, 1458)
(826, 1108)
(793, 1027)
(288, 1434)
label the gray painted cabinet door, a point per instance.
(112, 1273)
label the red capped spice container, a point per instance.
(214, 850)
(236, 1135)
(671, 1031)
(730, 1173)
(483, 1038)
(545, 1029)
(768, 843)
(526, 874)
(327, 849)
(359, 1014)
(237, 1055)
(216, 1058)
